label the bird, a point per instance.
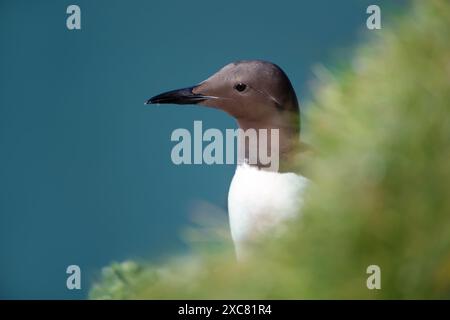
(258, 95)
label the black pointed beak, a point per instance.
(180, 96)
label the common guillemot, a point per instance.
(259, 95)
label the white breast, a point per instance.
(258, 201)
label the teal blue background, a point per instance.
(85, 170)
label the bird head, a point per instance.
(250, 91)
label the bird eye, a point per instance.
(240, 86)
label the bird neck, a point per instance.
(288, 126)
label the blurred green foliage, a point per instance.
(380, 192)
